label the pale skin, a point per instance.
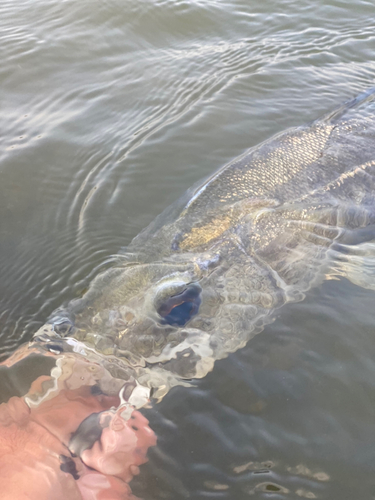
(35, 460)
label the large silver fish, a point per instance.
(207, 275)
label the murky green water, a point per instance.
(109, 111)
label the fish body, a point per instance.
(197, 284)
(207, 275)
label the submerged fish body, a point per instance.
(206, 276)
(195, 285)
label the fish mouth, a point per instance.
(178, 309)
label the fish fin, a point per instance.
(355, 263)
(309, 245)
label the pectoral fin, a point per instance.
(354, 262)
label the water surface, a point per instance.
(110, 111)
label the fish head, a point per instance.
(143, 314)
(171, 319)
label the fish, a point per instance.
(202, 280)
(211, 271)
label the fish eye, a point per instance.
(179, 308)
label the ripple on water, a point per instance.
(110, 110)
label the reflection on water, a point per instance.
(109, 112)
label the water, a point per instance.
(110, 111)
